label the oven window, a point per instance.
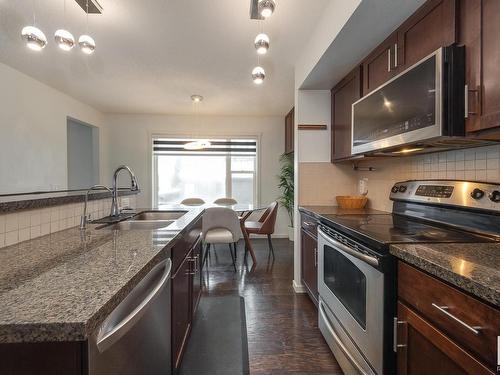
(347, 282)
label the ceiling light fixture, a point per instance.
(266, 8)
(34, 37)
(258, 75)
(64, 38)
(86, 42)
(261, 43)
(201, 143)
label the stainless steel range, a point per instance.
(356, 273)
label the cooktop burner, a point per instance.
(392, 228)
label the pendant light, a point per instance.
(86, 42)
(199, 144)
(261, 43)
(266, 8)
(64, 39)
(258, 75)
(34, 38)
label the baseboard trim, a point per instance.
(298, 288)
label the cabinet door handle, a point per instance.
(315, 257)
(389, 60)
(395, 55)
(444, 309)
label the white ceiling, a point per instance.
(152, 55)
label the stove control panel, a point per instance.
(449, 192)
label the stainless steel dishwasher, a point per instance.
(136, 337)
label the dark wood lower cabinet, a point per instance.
(424, 350)
(310, 264)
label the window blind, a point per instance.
(162, 146)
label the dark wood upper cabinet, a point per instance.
(289, 130)
(432, 26)
(344, 94)
(379, 66)
(479, 31)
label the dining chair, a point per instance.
(265, 225)
(221, 225)
(226, 201)
(193, 202)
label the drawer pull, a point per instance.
(444, 310)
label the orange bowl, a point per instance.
(351, 201)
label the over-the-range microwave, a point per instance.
(420, 110)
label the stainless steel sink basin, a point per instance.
(159, 215)
(140, 224)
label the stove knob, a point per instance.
(402, 188)
(394, 189)
(494, 196)
(477, 193)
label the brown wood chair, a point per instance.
(265, 225)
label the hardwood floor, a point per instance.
(283, 335)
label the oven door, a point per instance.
(353, 290)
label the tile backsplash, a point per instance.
(24, 225)
(476, 164)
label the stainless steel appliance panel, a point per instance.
(136, 337)
(406, 109)
(354, 291)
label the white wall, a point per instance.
(33, 152)
(131, 140)
(314, 107)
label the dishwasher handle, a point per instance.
(106, 339)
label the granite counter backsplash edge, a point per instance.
(29, 204)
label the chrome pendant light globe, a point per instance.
(64, 39)
(87, 44)
(34, 38)
(266, 8)
(258, 75)
(261, 43)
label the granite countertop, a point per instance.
(473, 267)
(60, 287)
(319, 211)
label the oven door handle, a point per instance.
(371, 260)
(338, 341)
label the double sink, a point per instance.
(147, 220)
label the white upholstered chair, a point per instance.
(226, 201)
(221, 225)
(193, 202)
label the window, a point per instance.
(221, 168)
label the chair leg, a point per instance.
(207, 253)
(232, 256)
(235, 250)
(270, 244)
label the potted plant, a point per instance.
(285, 184)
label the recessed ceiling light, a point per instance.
(266, 8)
(196, 98)
(261, 43)
(258, 75)
(34, 38)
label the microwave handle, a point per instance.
(338, 340)
(371, 260)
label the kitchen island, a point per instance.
(56, 290)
